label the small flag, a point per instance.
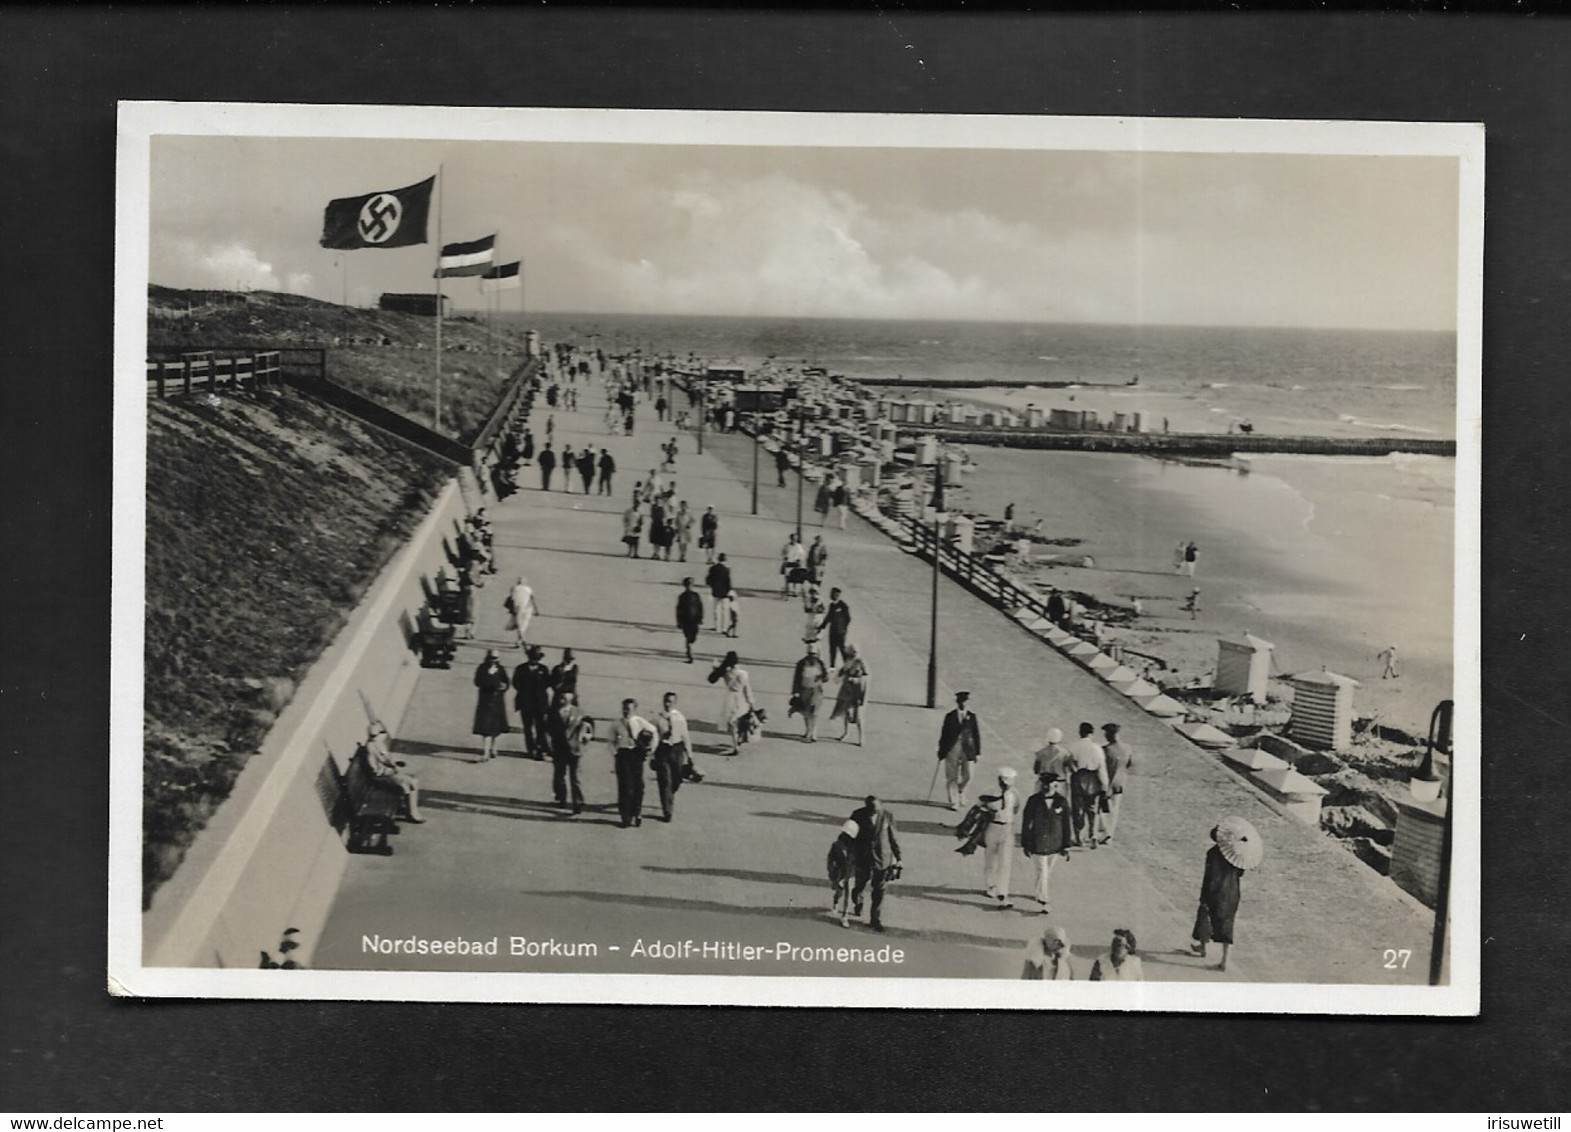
(503, 277)
(466, 259)
(394, 218)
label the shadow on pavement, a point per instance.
(496, 806)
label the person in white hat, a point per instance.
(1049, 958)
(841, 867)
(1050, 759)
(999, 840)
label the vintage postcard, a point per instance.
(796, 559)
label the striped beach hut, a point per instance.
(1322, 710)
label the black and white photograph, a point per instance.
(796, 559)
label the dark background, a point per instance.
(67, 1046)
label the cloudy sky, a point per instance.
(1049, 236)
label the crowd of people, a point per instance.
(1073, 802)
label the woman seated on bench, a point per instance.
(391, 772)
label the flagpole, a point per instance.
(496, 353)
(438, 414)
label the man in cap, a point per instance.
(999, 840)
(570, 729)
(532, 683)
(1044, 833)
(877, 856)
(959, 745)
(633, 738)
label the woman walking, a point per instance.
(853, 693)
(1220, 893)
(738, 698)
(632, 526)
(491, 684)
(682, 527)
(807, 691)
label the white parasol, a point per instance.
(1240, 843)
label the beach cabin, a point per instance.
(1322, 710)
(1243, 667)
(1136, 422)
(960, 530)
(1034, 417)
(1065, 418)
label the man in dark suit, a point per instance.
(719, 581)
(877, 853)
(689, 615)
(547, 464)
(837, 619)
(959, 745)
(532, 683)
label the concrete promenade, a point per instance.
(744, 859)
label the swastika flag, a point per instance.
(393, 218)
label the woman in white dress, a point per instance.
(738, 698)
(521, 607)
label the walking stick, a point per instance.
(934, 783)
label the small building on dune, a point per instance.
(419, 303)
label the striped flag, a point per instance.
(466, 259)
(503, 277)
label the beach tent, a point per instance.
(1243, 666)
(1119, 674)
(1083, 649)
(1101, 662)
(1160, 705)
(1322, 709)
(1136, 688)
(1253, 758)
(1299, 796)
(1207, 736)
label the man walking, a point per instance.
(719, 582)
(709, 533)
(586, 468)
(959, 745)
(673, 753)
(689, 615)
(817, 559)
(607, 470)
(570, 730)
(782, 462)
(1118, 761)
(633, 738)
(547, 462)
(877, 855)
(837, 620)
(999, 841)
(532, 683)
(1044, 834)
(1087, 766)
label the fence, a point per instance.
(210, 370)
(971, 570)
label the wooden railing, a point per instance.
(209, 371)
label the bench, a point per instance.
(371, 805)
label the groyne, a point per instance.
(1214, 445)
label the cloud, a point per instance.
(231, 265)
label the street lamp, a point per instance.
(703, 405)
(757, 428)
(938, 510)
(801, 464)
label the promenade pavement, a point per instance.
(744, 859)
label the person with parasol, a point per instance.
(1237, 848)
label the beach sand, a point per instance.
(1330, 559)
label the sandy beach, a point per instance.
(1330, 559)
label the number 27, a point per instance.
(1397, 957)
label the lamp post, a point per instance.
(932, 647)
(801, 465)
(703, 403)
(757, 421)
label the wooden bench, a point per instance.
(437, 641)
(371, 805)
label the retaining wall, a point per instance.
(271, 857)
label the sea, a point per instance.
(1332, 557)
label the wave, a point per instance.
(1219, 385)
(1403, 388)
(1394, 426)
(1048, 358)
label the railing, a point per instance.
(209, 371)
(490, 434)
(971, 570)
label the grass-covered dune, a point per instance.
(267, 519)
(385, 355)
